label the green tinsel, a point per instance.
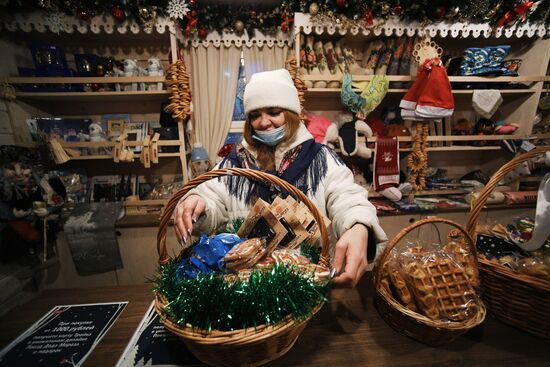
(312, 252)
(211, 302)
(232, 226)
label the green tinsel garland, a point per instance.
(312, 252)
(231, 227)
(211, 302)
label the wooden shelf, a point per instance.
(150, 96)
(330, 92)
(408, 78)
(374, 194)
(469, 138)
(84, 80)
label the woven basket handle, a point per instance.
(406, 230)
(479, 203)
(251, 174)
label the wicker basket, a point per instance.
(246, 347)
(413, 324)
(514, 298)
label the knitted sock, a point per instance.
(321, 64)
(386, 163)
(371, 56)
(330, 56)
(341, 60)
(385, 58)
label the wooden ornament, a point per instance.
(426, 49)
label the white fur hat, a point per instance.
(271, 89)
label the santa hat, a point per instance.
(436, 100)
(271, 89)
(410, 99)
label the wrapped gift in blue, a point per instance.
(484, 60)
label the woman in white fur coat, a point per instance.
(277, 142)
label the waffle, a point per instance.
(402, 290)
(245, 250)
(462, 255)
(246, 263)
(442, 288)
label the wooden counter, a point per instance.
(346, 332)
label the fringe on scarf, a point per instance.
(248, 191)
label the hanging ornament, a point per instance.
(341, 3)
(385, 8)
(118, 13)
(192, 2)
(82, 14)
(202, 33)
(491, 13)
(177, 9)
(252, 14)
(313, 8)
(368, 17)
(519, 12)
(100, 70)
(440, 12)
(145, 14)
(238, 26)
(94, 87)
(453, 12)
(397, 9)
(55, 22)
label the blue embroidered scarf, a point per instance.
(305, 172)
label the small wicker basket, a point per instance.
(413, 324)
(517, 299)
(245, 347)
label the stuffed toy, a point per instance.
(345, 130)
(95, 134)
(317, 125)
(130, 69)
(154, 68)
(503, 127)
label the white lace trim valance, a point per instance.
(61, 23)
(227, 39)
(395, 27)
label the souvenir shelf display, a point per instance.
(520, 93)
(136, 88)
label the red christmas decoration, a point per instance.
(202, 33)
(94, 87)
(369, 18)
(82, 14)
(192, 2)
(440, 13)
(118, 13)
(397, 9)
(519, 11)
(341, 3)
(253, 14)
(286, 21)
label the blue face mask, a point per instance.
(271, 137)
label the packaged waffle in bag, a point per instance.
(438, 282)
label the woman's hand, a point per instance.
(350, 256)
(186, 214)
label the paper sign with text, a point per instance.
(64, 336)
